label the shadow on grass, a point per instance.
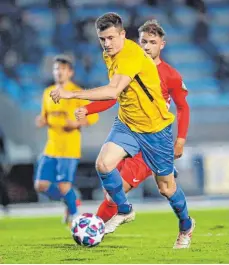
(217, 227)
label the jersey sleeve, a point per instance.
(130, 65)
(99, 106)
(179, 92)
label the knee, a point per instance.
(41, 186)
(164, 191)
(167, 190)
(103, 166)
(64, 187)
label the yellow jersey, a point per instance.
(141, 105)
(61, 143)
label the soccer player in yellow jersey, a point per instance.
(58, 165)
(143, 122)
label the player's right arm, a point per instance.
(125, 70)
(178, 93)
(111, 91)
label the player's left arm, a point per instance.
(41, 119)
(73, 125)
(110, 91)
(178, 94)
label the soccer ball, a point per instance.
(88, 230)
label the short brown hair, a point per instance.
(108, 20)
(64, 59)
(152, 27)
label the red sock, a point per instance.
(107, 210)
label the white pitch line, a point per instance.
(210, 234)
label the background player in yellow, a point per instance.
(143, 123)
(58, 165)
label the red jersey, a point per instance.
(172, 87)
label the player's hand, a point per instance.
(179, 148)
(60, 93)
(81, 113)
(40, 121)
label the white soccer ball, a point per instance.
(88, 230)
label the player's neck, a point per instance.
(63, 84)
(157, 60)
(118, 52)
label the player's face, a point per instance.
(112, 40)
(152, 44)
(62, 72)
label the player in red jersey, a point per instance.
(133, 169)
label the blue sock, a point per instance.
(70, 200)
(112, 183)
(178, 203)
(53, 192)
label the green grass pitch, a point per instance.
(149, 239)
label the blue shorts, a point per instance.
(157, 148)
(56, 169)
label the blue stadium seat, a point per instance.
(25, 69)
(31, 105)
(219, 28)
(86, 48)
(197, 66)
(208, 100)
(207, 84)
(145, 12)
(65, 36)
(29, 4)
(80, 76)
(97, 76)
(187, 17)
(93, 12)
(224, 48)
(3, 78)
(43, 21)
(182, 53)
(13, 89)
(51, 50)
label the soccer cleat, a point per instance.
(71, 219)
(67, 214)
(184, 237)
(117, 220)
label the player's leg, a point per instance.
(170, 190)
(111, 154)
(158, 152)
(119, 143)
(133, 171)
(45, 178)
(108, 208)
(66, 172)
